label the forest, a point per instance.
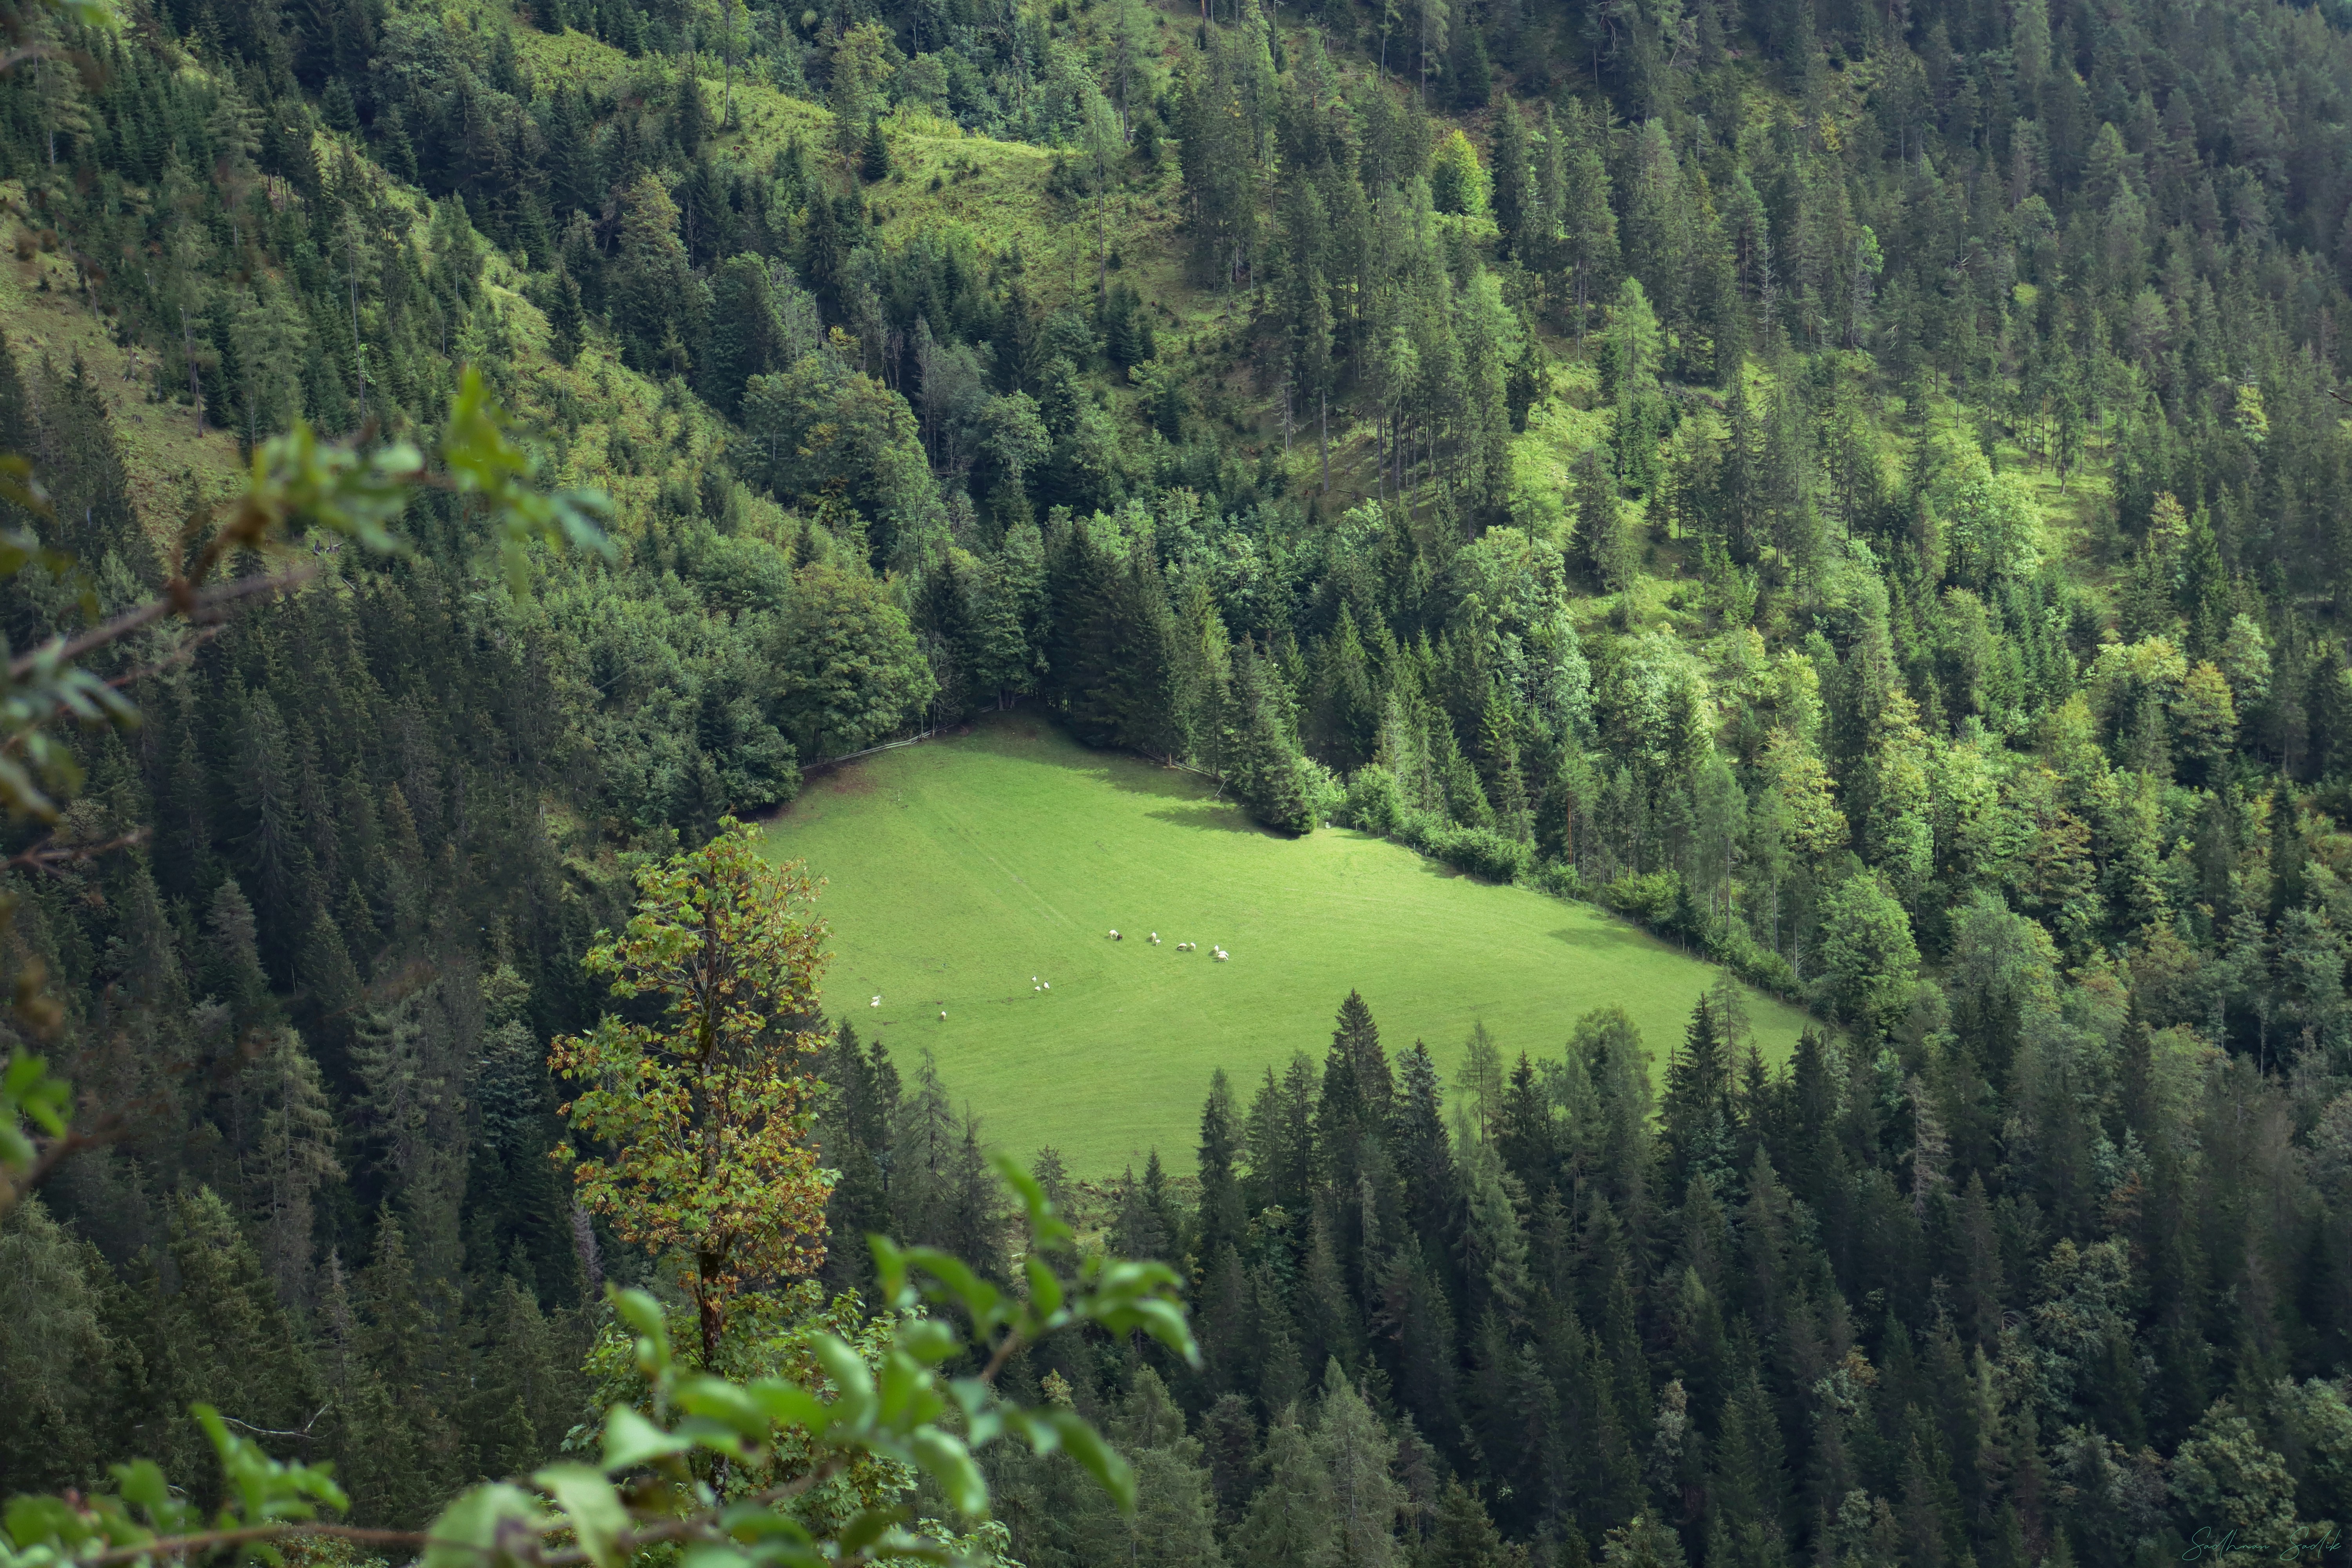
(1864, 492)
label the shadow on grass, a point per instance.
(1137, 776)
(1616, 933)
(1211, 816)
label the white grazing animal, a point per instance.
(875, 1003)
(1049, 985)
(943, 1012)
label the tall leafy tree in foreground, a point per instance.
(708, 1111)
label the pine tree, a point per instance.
(1610, 540)
(1229, 1442)
(690, 115)
(1494, 1247)
(1587, 219)
(1463, 1536)
(221, 1336)
(1264, 760)
(1697, 1114)
(1331, 1327)
(855, 1131)
(1280, 1137)
(294, 1157)
(1518, 213)
(1293, 1521)
(1423, 1154)
(1354, 1452)
(62, 1367)
(1357, 1094)
(1526, 1136)
(1479, 1081)
(1222, 1222)
(874, 152)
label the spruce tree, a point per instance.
(1229, 1442)
(690, 116)
(1354, 1451)
(1293, 1521)
(1697, 1114)
(854, 1129)
(1463, 1536)
(1222, 1222)
(567, 318)
(1513, 200)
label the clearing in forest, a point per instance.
(959, 869)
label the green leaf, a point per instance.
(910, 1394)
(44, 1520)
(631, 1440)
(713, 1436)
(1048, 1232)
(929, 1340)
(752, 1521)
(889, 1270)
(867, 1528)
(483, 1528)
(714, 1399)
(1094, 1456)
(641, 1312)
(1045, 1285)
(712, 1554)
(950, 1463)
(789, 1405)
(143, 1485)
(595, 1509)
(853, 1405)
(978, 1297)
(30, 1090)
(484, 459)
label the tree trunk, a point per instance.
(1324, 416)
(706, 1301)
(196, 386)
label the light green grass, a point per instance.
(957, 869)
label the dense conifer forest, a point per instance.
(1864, 491)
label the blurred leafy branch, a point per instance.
(670, 1468)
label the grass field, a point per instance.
(959, 868)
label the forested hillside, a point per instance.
(1864, 490)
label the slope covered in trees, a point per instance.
(1862, 489)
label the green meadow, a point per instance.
(958, 869)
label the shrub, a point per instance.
(1480, 851)
(1371, 802)
(1325, 793)
(1651, 899)
(1560, 879)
